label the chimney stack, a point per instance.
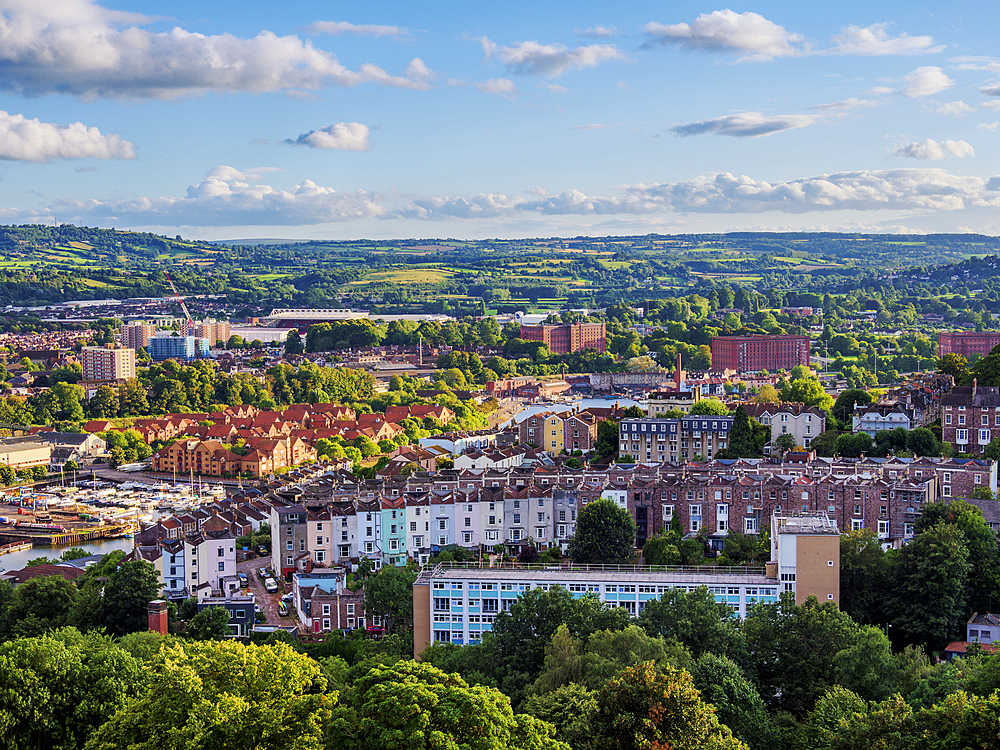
(974, 386)
(158, 617)
(678, 375)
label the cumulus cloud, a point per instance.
(78, 47)
(498, 87)
(954, 109)
(874, 41)
(849, 103)
(989, 127)
(549, 60)
(931, 149)
(228, 197)
(992, 89)
(22, 139)
(925, 81)
(365, 29)
(746, 125)
(747, 34)
(346, 136)
(597, 32)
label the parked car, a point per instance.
(244, 580)
(270, 586)
(376, 632)
(262, 572)
(262, 550)
(283, 610)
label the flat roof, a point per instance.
(591, 574)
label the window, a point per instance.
(222, 566)
(413, 525)
(443, 524)
(883, 529)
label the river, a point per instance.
(18, 560)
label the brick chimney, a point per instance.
(158, 616)
(678, 375)
(974, 386)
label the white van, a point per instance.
(270, 586)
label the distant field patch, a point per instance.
(406, 276)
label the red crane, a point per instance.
(187, 315)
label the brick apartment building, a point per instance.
(967, 343)
(970, 417)
(763, 352)
(568, 338)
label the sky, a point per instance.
(321, 120)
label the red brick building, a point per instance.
(567, 338)
(753, 353)
(970, 417)
(967, 343)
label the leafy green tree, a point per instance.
(692, 618)
(293, 343)
(785, 442)
(37, 605)
(57, 689)
(868, 667)
(930, 585)
(843, 407)
(605, 533)
(568, 709)
(7, 475)
(122, 605)
(923, 442)
(710, 406)
(808, 391)
(865, 573)
(389, 595)
(211, 624)
(791, 649)
(222, 695)
(415, 706)
(955, 365)
(662, 549)
(607, 438)
(980, 541)
(645, 707)
(741, 438)
(737, 703)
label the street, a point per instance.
(268, 602)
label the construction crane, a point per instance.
(187, 315)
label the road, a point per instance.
(508, 408)
(268, 602)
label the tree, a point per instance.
(955, 365)
(607, 438)
(37, 605)
(741, 438)
(864, 576)
(930, 584)
(293, 343)
(389, 595)
(605, 533)
(645, 707)
(785, 442)
(692, 618)
(843, 407)
(922, 442)
(736, 701)
(211, 624)
(126, 594)
(809, 391)
(219, 695)
(415, 706)
(568, 709)
(709, 406)
(104, 403)
(767, 395)
(57, 689)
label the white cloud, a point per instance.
(343, 27)
(552, 88)
(498, 87)
(597, 32)
(22, 139)
(990, 127)
(992, 106)
(748, 34)
(80, 48)
(874, 41)
(991, 90)
(849, 103)
(880, 90)
(955, 109)
(746, 125)
(925, 81)
(549, 60)
(346, 136)
(596, 126)
(931, 149)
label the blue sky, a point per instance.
(228, 120)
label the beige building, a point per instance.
(212, 330)
(660, 402)
(25, 455)
(107, 363)
(801, 422)
(805, 553)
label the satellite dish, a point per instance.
(519, 314)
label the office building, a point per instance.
(107, 363)
(567, 338)
(183, 348)
(457, 603)
(755, 353)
